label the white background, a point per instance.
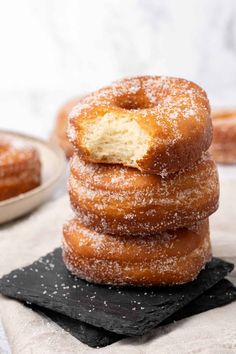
(52, 50)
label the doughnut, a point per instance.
(223, 146)
(59, 133)
(169, 258)
(156, 124)
(124, 201)
(20, 168)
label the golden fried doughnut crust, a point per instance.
(59, 133)
(121, 201)
(172, 257)
(156, 124)
(223, 146)
(20, 167)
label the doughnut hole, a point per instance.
(133, 102)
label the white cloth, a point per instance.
(24, 241)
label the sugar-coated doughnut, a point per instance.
(172, 257)
(20, 167)
(223, 146)
(59, 133)
(121, 201)
(156, 124)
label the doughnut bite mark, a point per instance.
(124, 201)
(173, 257)
(223, 146)
(156, 124)
(59, 133)
(20, 167)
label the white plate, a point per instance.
(53, 169)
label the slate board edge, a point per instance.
(110, 325)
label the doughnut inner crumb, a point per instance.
(116, 138)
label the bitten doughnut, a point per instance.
(223, 147)
(20, 168)
(173, 257)
(59, 134)
(156, 124)
(120, 200)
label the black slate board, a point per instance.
(129, 311)
(220, 294)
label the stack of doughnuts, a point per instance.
(142, 184)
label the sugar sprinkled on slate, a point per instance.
(153, 305)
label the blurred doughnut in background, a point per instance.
(59, 133)
(223, 146)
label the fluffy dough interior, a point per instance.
(116, 139)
